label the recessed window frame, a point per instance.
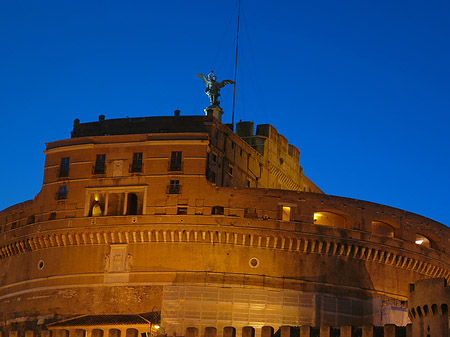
(136, 165)
(176, 161)
(62, 193)
(100, 164)
(64, 167)
(174, 187)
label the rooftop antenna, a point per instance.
(236, 62)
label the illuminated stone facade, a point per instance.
(211, 228)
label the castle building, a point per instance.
(207, 227)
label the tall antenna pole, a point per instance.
(236, 62)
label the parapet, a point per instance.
(389, 330)
(266, 131)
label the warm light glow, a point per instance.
(325, 218)
(156, 327)
(96, 197)
(422, 240)
(286, 213)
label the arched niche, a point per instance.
(132, 333)
(132, 204)
(97, 333)
(79, 333)
(114, 333)
(422, 240)
(330, 219)
(382, 229)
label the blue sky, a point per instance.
(362, 88)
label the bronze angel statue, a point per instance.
(213, 87)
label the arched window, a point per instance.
(132, 204)
(382, 229)
(422, 240)
(330, 219)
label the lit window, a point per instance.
(182, 210)
(286, 213)
(136, 166)
(100, 164)
(175, 161)
(174, 187)
(329, 219)
(64, 167)
(422, 241)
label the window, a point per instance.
(216, 134)
(136, 166)
(213, 177)
(330, 219)
(383, 229)
(182, 210)
(217, 210)
(230, 170)
(214, 157)
(62, 193)
(100, 164)
(64, 167)
(175, 161)
(174, 187)
(422, 240)
(286, 213)
(250, 213)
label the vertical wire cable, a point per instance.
(236, 63)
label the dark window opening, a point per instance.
(62, 193)
(250, 213)
(132, 204)
(213, 177)
(136, 166)
(31, 219)
(182, 210)
(52, 216)
(100, 164)
(174, 187)
(214, 158)
(64, 167)
(175, 161)
(217, 210)
(230, 170)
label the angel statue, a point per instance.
(213, 87)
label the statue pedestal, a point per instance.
(215, 111)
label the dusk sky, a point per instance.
(362, 88)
